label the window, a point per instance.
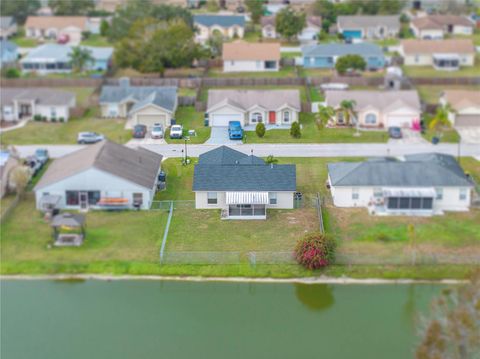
(417, 58)
(72, 198)
(259, 64)
(355, 194)
(439, 192)
(232, 63)
(377, 192)
(462, 196)
(93, 197)
(340, 117)
(371, 119)
(427, 203)
(416, 203)
(404, 203)
(286, 116)
(212, 198)
(329, 60)
(137, 199)
(392, 202)
(53, 112)
(257, 117)
(272, 197)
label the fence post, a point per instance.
(319, 214)
(165, 233)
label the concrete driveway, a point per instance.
(469, 134)
(146, 141)
(410, 137)
(219, 136)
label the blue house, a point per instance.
(325, 56)
(55, 58)
(8, 52)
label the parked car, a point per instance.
(157, 131)
(63, 39)
(176, 131)
(395, 132)
(139, 131)
(235, 131)
(34, 164)
(89, 137)
(42, 155)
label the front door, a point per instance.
(271, 117)
(83, 200)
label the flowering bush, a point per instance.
(315, 250)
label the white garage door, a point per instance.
(399, 121)
(467, 120)
(218, 119)
(150, 120)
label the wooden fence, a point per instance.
(51, 82)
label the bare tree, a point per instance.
(19, 179)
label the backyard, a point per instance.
(285, 71)
(429, 71)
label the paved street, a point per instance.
(290, 150)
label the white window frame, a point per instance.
(272, 198)
(53, 112)
(377, 192)
(355, 193)
(462, 194)
(370, 115)
(258, 64)
(256, 117)
(286, 116)
(212, 198)
(439, 194)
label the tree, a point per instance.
(12, 73)
(19, 9)
(440, 121)
(271, 160)
(315, 250)
(80, 57)
(295, 130)
(215, 43)
(260, 129)
(347, 107)
(327, 10)
(71, 7)
(452, 329)
(104, 27)
(325, 113)
(350, 62)
(255, 7)
(19, 178)
(289, 23)
(213, 6)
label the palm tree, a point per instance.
(347, 107)
(440, 121)
(325, 113)
(79, 58)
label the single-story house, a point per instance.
(8, 52)
(17, 103)
(105, 175)
(326, 55)
(242, 186)
(229, 26)
(145, 105)
(8, 26)
(272, 107)
(448, 54)
(465, 105)
(54, 58)
(308, 34)
(368, 26)
(420, 184)
(7, 163)
(437, 26)
(54, 27)
(380, 109)
(241, 56)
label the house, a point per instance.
(229, 26)
(145, 105)
(437, 26)
(272, 107)
(18, 103)
(448, 54)
(326, 55)
(368, 26)
(378, 109)
(55, 27)
(8, 53)
(240, 56)
(55, 58)
(309, 33)
(419, 184)
(105, 175)
(8, 26)
(242, 186)
(7, 163)
(465, 105)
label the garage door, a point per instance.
(399, 121)
(467, 120)
(223, 119)
(150, 120)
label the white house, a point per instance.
(275, 108)
(368, 26)
(242, 186)
(309, 33)
(240, 56)
(377, 109)
(105, 175)
(20, 103)
(437, 26)
(465, 105)
(54, 27)
(423, 184)
(229, 26)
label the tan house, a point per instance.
(241, 56)
(465, 105)
(448, 54)
(7, 163)
(54, 27)
(437, 26)
(377, 109)
(309, 33)
(229, 26)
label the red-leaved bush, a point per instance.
(315, 250)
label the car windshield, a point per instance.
(41, 152)
(176, 128)
(157, 128)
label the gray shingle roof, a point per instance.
(59, 52)
(362, 49)
(6, 45)
(423, 170)
(165, 97)
(220, 20)
(6, 22)
(365, 21)
(382, 100)
(218, 170)
(42, 96)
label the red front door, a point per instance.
(271, 117)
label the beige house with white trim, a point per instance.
(465, 105)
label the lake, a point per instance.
(168, 319)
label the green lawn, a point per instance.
(448, 134)
(429, 71)
(191, 120)
(291, 55)
(22, 41)
(82, 94)
(67, 75)
(431, 94)
(184, 91)
(96, 40)
(316, 95)
(285, 71)
(5, 202)
(311, 134)
(303, 96)
(179, 180)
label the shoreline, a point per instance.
(306, 280)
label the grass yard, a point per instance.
(188, 92)
(96, 40)
(22, 41)
(429, 71)
(5, 203)
(179, 180)
(431, 94)
(311, 134)
(305, 72)
(191, 120)
(448, 135)
(316, 95)
(290, 55)
(285, 71)
(82, 94)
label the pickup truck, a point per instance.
(235, 131)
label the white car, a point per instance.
(176, 131)
(157, 131)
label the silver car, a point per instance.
(157, 131)
(89, 137)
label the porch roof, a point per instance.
(409, 192)
(247, 197)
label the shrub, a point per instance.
(61, 119)
(315, 251)
(12, 73)
(44, 119)
(260, 129)
(347, 62)
(295, 130)
(37, 118)
(53, 119)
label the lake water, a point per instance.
(150, 319)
